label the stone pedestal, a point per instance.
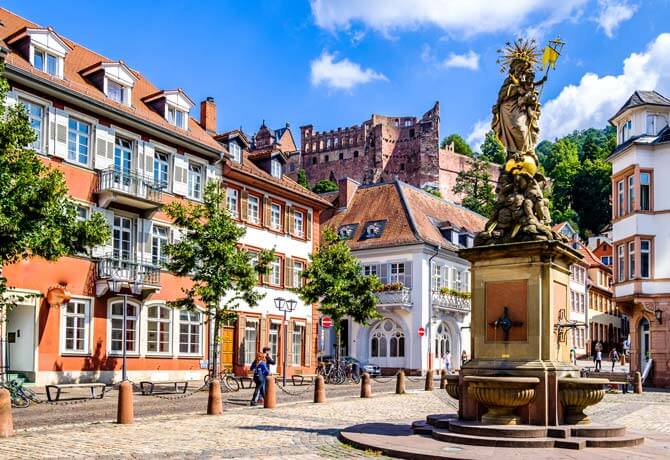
(531, 279)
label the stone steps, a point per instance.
(471, 440)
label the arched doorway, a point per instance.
(443, 343)
(645, 343)
(387, 344)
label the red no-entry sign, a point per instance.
(422, 332)
(326, 322)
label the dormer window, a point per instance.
(173, 105)
(176, 117)
(114, 79)
(276, 169)
(626, 129)
(115, 91)
(43, 48)
(46, 62)
(235, 151)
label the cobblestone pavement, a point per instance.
(294, 430)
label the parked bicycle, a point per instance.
(229, 382)
(21, 395)
(338, 372)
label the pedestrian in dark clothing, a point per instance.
(614, 357)
(261, 371)
(268, 357)
(599, 360)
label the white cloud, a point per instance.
(456, 16)
(612, 13)
(342, 74)
(592, 101)
(478, 133)
(469, 60)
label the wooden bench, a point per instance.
(297, 374)
(620, 379)
(147, 387)
(59, 387)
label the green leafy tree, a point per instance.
(335, 280)
(224, 275)
(460, 146)
(475, 185)
(433, 191)
(324, 186)
(493, 150)
(37, 219)
(302, 178)
(591, 195)
(562, 166)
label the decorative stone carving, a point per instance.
(576, 394)
(452, 387)
(501, 396)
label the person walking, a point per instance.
(269, 360)
(614, 357)
(464, 357)
(447, 362)
(599, 360)
(261, 371)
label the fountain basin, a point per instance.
(452, 387)
(501, 396)
(576, 394)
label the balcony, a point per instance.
(451, 302)
(148, 276)
(401, 298)
(129, 188)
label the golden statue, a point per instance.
(521, 212)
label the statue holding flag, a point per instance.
(521, 211)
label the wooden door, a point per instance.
(227, 349)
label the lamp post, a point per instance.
(285, 306)
(116, 285)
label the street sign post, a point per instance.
(326, 322)
(422, 331)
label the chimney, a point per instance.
(208, 115)
(348, 189)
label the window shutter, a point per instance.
(104, 147)
(145, 160)
(287, 219)
(177, 234)
(11, 99)
(104, 250)
(308, 225)
(288, 272)
(180, 182)
(241, 325)
(244, 207)
(264, 334)
(267, 203)
(308, 343)
(290, 220)
(211, 173)
(289, 343)
(146, 242)
(383, 273)
(408, 274)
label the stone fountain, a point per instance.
(520, 388)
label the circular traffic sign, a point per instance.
(326, 322)
(422, 331)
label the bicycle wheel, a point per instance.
(19, 400)
(232, 383)
(356, 377)
(340, 376)
(30, 394)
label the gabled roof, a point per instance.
(233, 134)
(590, 258)
(80, 58)
(411, 216)
(639, 98)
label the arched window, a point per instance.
(442, 341)
(159, 327)
(387, 339)
(116, 329)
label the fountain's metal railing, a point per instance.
(402, 296)
(451, 301)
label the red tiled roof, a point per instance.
(80, 58)
(590, 258)
(412, 216)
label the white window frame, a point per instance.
(371, 270)
(163, 241)
(158, 320)
(274, 331)
(621, 262)
(275, 168)
(274, 272)
(298, 269)
(125, 91)
(298, 223)
(45, 60)
(399, 275)
(138, 328)
(648, 253)
(297, 345)
(250, 352)
(87, 320)
(630, 202)
(621, 202)
(275, 218)
(253, 210)
(161, 159)
(77, 141)
(39, 143)
(191, 182)
(233, 202)
(235, 151)
(171, 115)
(190, 322)
(631, 258)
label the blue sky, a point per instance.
(333, 63)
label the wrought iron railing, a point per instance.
(451, 301)
(131, 183)
(402, 296)
(129, 270)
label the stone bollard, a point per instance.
(637, 383)
(214, 402)
(124, 411)
(443, 379)
(366, 386)
(429, 380)
(400, 383)
(270, 399)
(319, 390)
(6, 421)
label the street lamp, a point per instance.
(285, 306)
(116, 285)
(659, 315)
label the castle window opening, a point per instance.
(341, 156)
(355, 153)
